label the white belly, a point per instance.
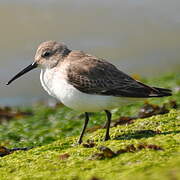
(71, 97)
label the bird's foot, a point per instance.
(107, 137)
(77, 143)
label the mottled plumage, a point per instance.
(97, 76)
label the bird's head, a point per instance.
(48, 55)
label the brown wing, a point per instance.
(96, 76)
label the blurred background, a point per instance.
(139, 36)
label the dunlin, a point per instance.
(86, 83)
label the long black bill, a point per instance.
(25, 70)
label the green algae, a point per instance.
(54, 131)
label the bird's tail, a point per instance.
(155, 91)
(161, 92)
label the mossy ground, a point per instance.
(52, 132)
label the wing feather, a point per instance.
(96, 76)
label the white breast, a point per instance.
(58, 87)
(46, 80)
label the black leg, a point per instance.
(108, 114)
(84, 128)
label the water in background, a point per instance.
(139, 36)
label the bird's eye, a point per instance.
(46, 54)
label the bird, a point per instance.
(86, 83)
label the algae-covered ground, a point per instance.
(53, 131)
